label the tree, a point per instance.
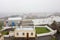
(1, 24)
(54, 25)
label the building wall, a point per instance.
(20, 33)
(42, 21)
(48, 20)
(56, 18)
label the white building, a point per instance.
(42, 21)
(16, 20)
(55, 18)
(48, 20)
(25, 28)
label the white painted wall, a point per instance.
(42, 21)
(46, 20)
(57, 19)
(15, 18)
(52, 32)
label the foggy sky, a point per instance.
(9, 7)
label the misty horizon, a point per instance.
(19, 7)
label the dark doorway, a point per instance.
(27, 36)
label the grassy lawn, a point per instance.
(5, 33)
(40, 30)
(1, 24)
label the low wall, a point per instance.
(52, 32)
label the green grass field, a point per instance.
(5, 33)
(40, 30)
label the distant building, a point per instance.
(42, 21)
(16, 20)
(56, 18)
(48, 20)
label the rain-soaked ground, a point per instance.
(58, 36)
(37, 38)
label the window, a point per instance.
(23, 34)
(17, 33)
(31, 33)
